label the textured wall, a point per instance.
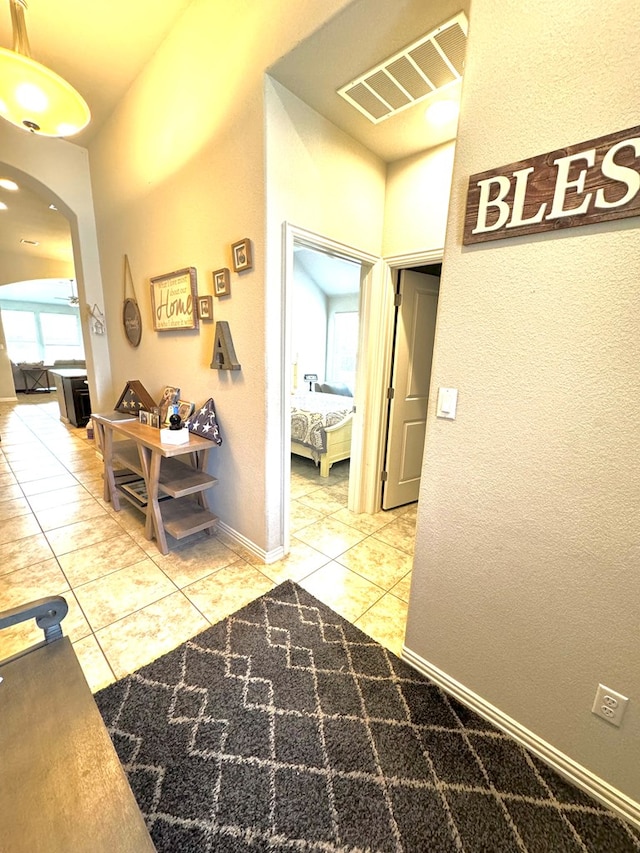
(178, 175)
(527, 573)
(417, 201)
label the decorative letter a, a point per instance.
(224, 355)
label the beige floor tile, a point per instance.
(49, 484)
(380, 563)
(226, 591)
(7, 479)
(18, 443)
(301, 561)
(330, 537)
(411, 512)
(12, 492)
(82, 533)
(192, 562)
(107, 599)
(322, 501)
(94, 664)
(342, 590)
(94, 485)
(24, 552)
(32, 582)
(400, 533)
(129, 518)
(70, 494)
(14, 508)
(66, 514)
(74, 625)
(102, 558)
(302, 516)
(18, 528)
(385, 622)
(40, 472)
(153, 631)
(339, 492)
(362, 521)
(31, 460)
(402, 588)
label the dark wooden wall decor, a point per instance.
(224, 355)
(594, 181)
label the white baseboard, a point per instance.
(567, 767)
(8, 399)
(265, 557)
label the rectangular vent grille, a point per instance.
(432, 63)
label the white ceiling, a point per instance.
(334, 276)
(29, 217)
(100, 46)
(365, 34)
(54, 291)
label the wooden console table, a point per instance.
(175, 501)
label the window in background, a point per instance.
(42, 335)
(60, 337)
(21, 333)
(343, 348)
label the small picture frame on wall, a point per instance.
(221, 282)
(242, 256)
(205, 307)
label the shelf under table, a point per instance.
(183, 516)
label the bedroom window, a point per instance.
(342, 348)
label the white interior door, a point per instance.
(409, 389)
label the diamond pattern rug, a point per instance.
(285, 728)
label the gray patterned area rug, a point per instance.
(285, 728)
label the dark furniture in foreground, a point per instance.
(62, 787)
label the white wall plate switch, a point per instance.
(447, 402)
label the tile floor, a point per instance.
(128, 603)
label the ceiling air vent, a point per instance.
(426, 66)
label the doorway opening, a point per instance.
(326, 285)
(416, 304)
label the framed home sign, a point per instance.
(174, 300)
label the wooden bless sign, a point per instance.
(592, 182)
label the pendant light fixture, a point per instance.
(32, 96)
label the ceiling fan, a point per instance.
(72, 299)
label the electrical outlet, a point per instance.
(609, 705)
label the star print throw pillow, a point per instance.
(203, 422)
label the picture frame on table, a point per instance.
(242, 255)
(185, 408)
(221, 282)
(170, 397)
(205, 307)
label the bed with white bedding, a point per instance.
(321, 427)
